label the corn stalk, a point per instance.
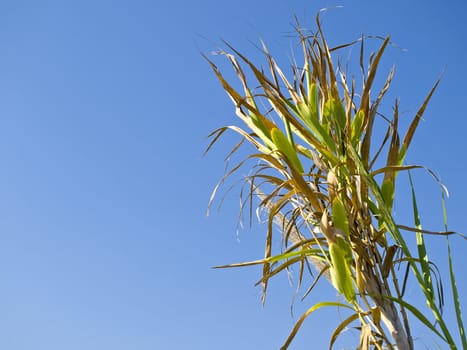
(316, 178)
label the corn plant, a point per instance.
(329, 187)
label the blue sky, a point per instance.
(104, 111)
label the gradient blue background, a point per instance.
(104, 111)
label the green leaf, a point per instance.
(341, 276)
(422, 253)
(312, 122)
(455, 293)
(387, 191)
(357, 127)
(339, 216)
(283, 145)
(313, 100)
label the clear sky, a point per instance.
(104, 111)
